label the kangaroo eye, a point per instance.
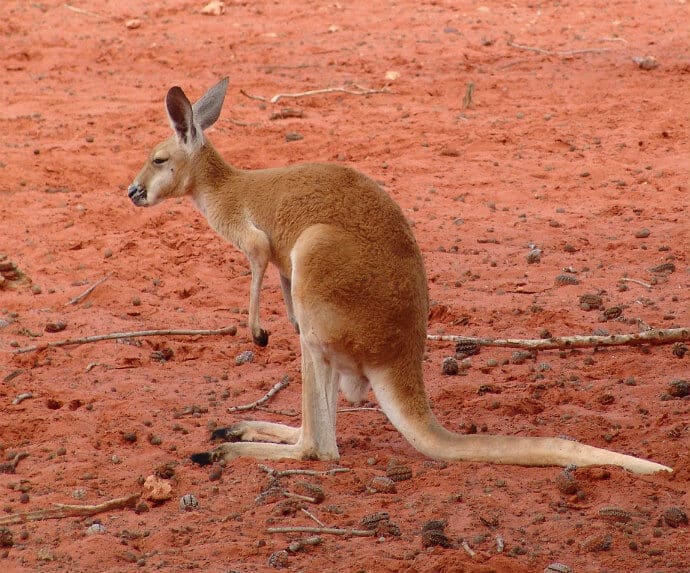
(159, 160)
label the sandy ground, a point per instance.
(569, 146)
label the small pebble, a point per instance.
(246, 357)
(646, 62)
(57, 326)
(558, 568)
(188, 502)
(293, 136)
(95, 528)
(642, 233)
(36, 289)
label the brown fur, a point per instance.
(354, 286)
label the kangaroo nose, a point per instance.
(133, 189)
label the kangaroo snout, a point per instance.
(137, 193)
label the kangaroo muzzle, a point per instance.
(137, 193)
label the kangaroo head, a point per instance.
(169, 169)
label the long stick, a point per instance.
(342, 89)
(231, 330)
(660, 336)
(325, 530)
(555, 53)
(62, 510)
(283, 473)
(282, 383)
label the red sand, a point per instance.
(576, 152)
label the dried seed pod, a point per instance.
(387, 528)
(372, 521)
(612, 312)
(679, 388)
(566, 483)
(591, 302)
(679, 349)
(382, 484)
(449, 366)
(6, 538)
(615, 514)
(564, 280)
(521, 356)
(598, 542)
(398, 472)
(434, 537)
(166, 470)
(279, 559)
(434, 525)
(312, 490)
(188, 502)
(288, 507)
(675, 516)
(466, 348)
(489, 520)
(664, 268)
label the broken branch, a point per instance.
(635, 281)
(564, 54)
(282, 383)
(62, 510)
(660, 336)
(283, 473)
(231, 330)
(341, 89)
(323, 530)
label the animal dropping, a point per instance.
(355, 289)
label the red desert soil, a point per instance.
(567, 144)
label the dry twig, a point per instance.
(637, 282)
(283, 473)
(87, 292)
(62, 510)
(231, 330)
(81, 11)
(282, 383)
(468, 549)
(660, 336)
(340, 89)
(565, 54)
(323, 530)
(312, 516)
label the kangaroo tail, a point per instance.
(406, 406)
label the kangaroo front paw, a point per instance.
(261, 339)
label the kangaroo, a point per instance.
(355, 289)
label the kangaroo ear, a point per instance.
(207, 109)
(181, 115)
